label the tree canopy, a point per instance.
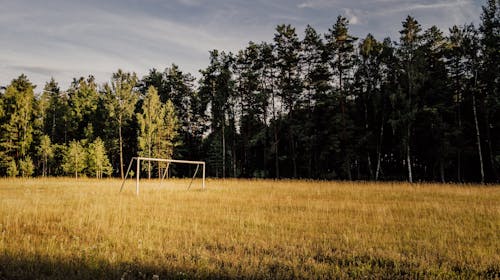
(312, 105)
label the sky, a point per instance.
(65, 39)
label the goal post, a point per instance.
(168, 161)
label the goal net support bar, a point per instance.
(168, 161)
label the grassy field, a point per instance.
(85, 229)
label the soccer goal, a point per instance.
(165, 173)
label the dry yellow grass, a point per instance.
(67, 228)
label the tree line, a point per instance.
(324, 106)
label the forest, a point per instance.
(422, 107)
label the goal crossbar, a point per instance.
(168, 161)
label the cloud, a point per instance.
(351, 16)
(190, 2)
(316, 4)
(35, 69)
(69, 38)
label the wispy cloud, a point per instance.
(68, 38)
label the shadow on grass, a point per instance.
(39, 267)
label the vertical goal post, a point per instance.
(168, 161)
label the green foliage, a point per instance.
(74, 159)
(26, 167)
(97, 160)
(82, 102)
(150, 121)
(12, 170)
(16, 133)
(119, 99)
(45, 151)
(217, 93)
(317, 106)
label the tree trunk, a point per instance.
(368, 159)
(294, 154)
(459, 116)
(233, 156)
(408, 132)
(44, 172)
(490, 149)
(53, 123)
(149, 162)
(348, 164)
(441, 170)
(223, 149)
(121, 148)
(408, 156)
(275, 130)
(76, 168)
(478, 136)
(379, 146)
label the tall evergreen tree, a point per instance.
(315, 79)
(253, 101)
(435, 109)
(456, 68)
(472, 62)
(56, 112)
(216, 90)
(411, 58)
(83, 99)
(489, 82)
(269, 75)
(289, 85)
(368, 86)
(340, 48)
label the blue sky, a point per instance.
(67, 38)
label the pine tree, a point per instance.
(252, 106)
(411, 62)
(456, 68)
(368, 79)
(288, 83)
(433, 134)
(489, 81)
(55, 113)
(269, 76)
(340, 47)
(83, 99)
(216, 90)
(315, 77)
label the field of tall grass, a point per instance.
(262, 229)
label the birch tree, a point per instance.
(120, 98)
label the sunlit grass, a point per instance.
(67, 228)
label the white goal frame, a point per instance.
(168, 161)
